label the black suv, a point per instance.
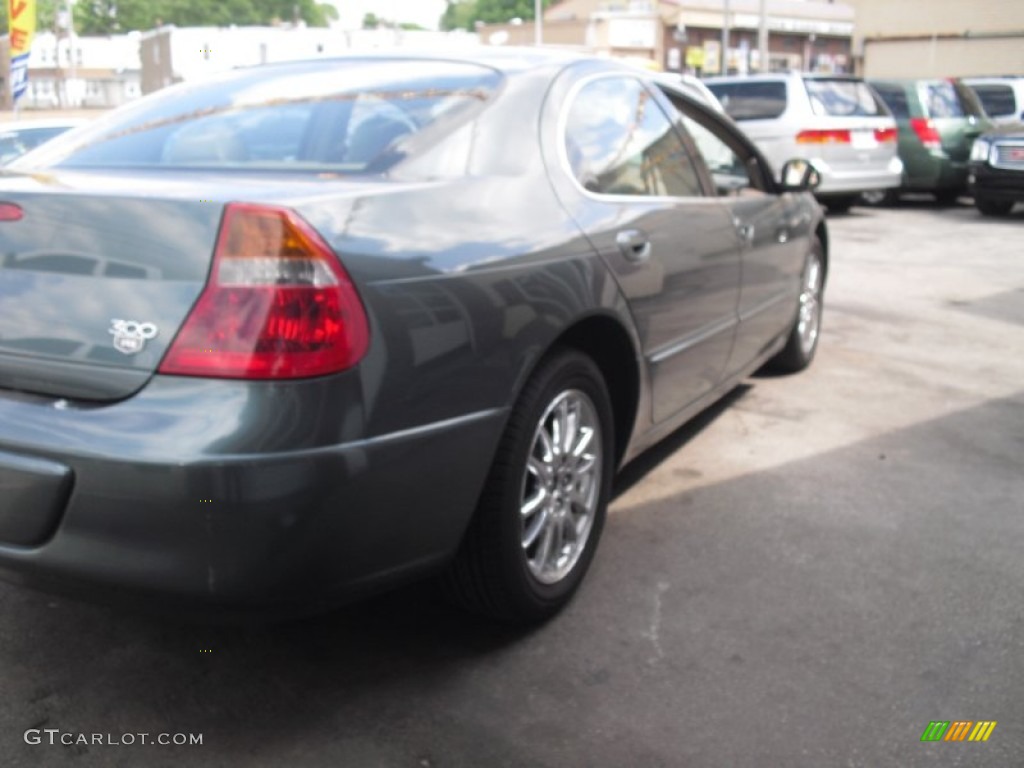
(996, 171)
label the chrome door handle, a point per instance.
(746, 232)
(634, 244)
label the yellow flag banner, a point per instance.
(22, 20)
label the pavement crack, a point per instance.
(654, 632)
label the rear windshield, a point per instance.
(751, 100)
(352, 116)
(998, 100)
(18, 142)
(843, 98)
(947, 99)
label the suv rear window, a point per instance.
(946, 99)
(351, 116)
(752, 100)
(998, 100)
(843, 98)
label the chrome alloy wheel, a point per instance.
(561, 486)
(809, 321)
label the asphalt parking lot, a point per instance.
(807, 576)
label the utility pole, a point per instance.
(538, 22)
(725, 37)
(762, 39)
(73, 66)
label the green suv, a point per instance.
(938, 121)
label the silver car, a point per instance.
(836, 122)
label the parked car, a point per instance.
(938, 121)
(996, 172)
(1001, 97)
(695, 87)
(19, 136)
(836, 122)
(249, 367)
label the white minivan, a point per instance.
(1002, 97)
(835, 121)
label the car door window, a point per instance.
(734, 167)
(619, 141)
(998, 100)
(752, 100)
(728, 169)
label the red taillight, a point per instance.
(10, 212)
(882, 135)
(278, 304)
(823, 137)
(925, 130)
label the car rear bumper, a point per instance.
(181, 523)
(935, 173)
(844, 180)
(994, 183)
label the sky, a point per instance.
(422, 12)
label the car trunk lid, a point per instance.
(98, 273)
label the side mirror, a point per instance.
(800, 176)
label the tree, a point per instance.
(460, 14)
(370, 21)
(464, 14)
(106, 17)
(45, 17)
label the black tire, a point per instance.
(840, 203)
(495, 572)
(990, 207)
(882, 197)
(800, 348)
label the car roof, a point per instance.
(993, 79)
(505, 59)
(791, 75)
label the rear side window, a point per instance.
(998, 100)
(620, 142)
(351, 116)
(752, 100)
(946, 99)
(895, 97)
(843, 98)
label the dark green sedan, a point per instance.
(305, 331)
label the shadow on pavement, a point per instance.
(821, 613)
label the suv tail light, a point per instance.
(883, 135)
(277, 305)
(925, 130)
(823, 137)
